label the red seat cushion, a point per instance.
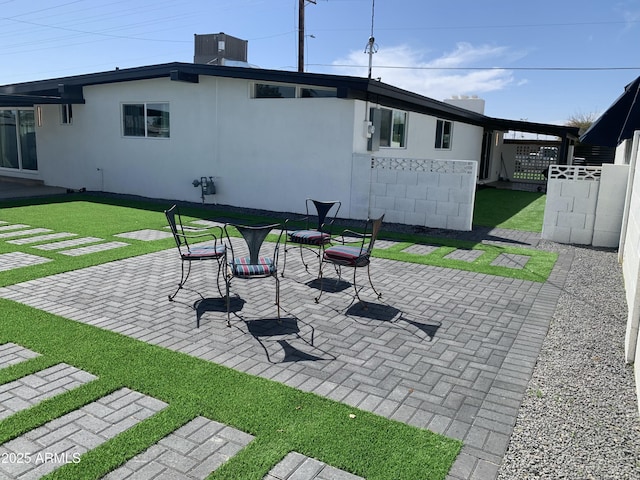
(346, 255)
(203, 252)
(309, 237)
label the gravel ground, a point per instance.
(579, 418)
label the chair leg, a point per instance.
(183, 280)
(379, 294)
(355, 287)
(306, 267)
(218, 278)
(278, 296)
(227, 282)
(284, 263)
(317, 299)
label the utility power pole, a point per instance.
(301, 36)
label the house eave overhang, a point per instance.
(357, 88)
(12, 100)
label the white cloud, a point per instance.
(411, 71)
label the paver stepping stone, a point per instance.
(65, 439)
(20, 233)
(41, 238)
(464, 255)
(382, 244)
(146, 235)
(421, 249)
(16, 226)
(300, 467)
(68, 243)
(33, 389)
(191, 452)
(9, 261)
(101, 247)
(511, 260)
(10, 354)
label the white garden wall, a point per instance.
(610, 206)
(630, 257)
(570, 210)
(585, 205)
(431, 193)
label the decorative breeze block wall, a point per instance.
(572, 197)
(430, 193)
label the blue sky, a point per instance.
(543, 61)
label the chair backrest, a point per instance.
(322, 210)
(254, 237)
(178, 236)
(374, 224)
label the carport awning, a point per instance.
(619, 122)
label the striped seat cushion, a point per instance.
(205, 251)
(309, 237)
(242, 267)
(346, 255)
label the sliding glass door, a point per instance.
(18, 140)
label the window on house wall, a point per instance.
(145, 120)
(315, 92)
(66, 114)
(392, 128)
(264, 90)
(443, 134)
(270, 90)
(18, 140)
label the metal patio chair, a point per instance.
(194, 253)
(253, 265)
(353, 256)
(318, 237)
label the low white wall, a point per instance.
(630, 257)
(585, 205)
(570, 210)
(610, 207)
(431, 193)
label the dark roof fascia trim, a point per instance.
(185, 69)
(32, 100)
(562, 131)
(348, 87)
(388, 95)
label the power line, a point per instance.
(577, 69)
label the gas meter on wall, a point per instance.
(207, 186)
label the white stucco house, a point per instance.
(268, 139)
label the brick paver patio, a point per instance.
(446, 350)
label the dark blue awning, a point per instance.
(619, 122)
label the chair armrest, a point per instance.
(351, 233)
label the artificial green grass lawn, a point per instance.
(89, 215)
(509, 209)
(281, 418)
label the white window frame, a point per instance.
(391, 129)
(441, 137)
